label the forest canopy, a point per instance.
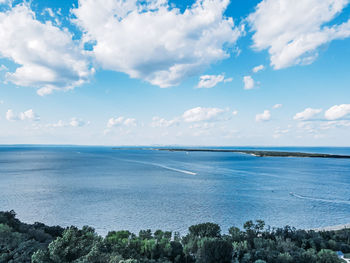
(203, 243)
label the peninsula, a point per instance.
(259, 153)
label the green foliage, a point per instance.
(327, 256)
(212, 250)
(204, 243)
(205, 230)
(18, 241)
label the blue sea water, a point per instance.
(138, 189)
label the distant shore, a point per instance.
(259, 153)
(332, 228)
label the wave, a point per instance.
(321, 199)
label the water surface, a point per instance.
(137, 189)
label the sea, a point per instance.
(133, 188)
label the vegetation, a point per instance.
(18, 241)
(204, 243)
(259, 153)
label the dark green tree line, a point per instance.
(204, 243)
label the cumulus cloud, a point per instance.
(337, 112)
(258, 68)
(277, 106)
(115, 122)
(11, 116)
(265, 116)
(161, 122)
(210, 81)
(130, 122)
(203, 114)
(58, 124)
(75, 122)
(307, 114)
(47, 56)
(154, 41)
(121, 121)
(293, 30)
(45, 91)
(249, 82)
(26, 115)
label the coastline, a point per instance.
(332, 228)
(259, 153)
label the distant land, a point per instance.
(259, 153)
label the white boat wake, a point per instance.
(321, 199)
(173, 169)
(164, 167)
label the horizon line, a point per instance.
(168, 145)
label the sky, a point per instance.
(159, 72)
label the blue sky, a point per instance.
(211, 72)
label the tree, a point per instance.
(205, 230)
(327, 256)
(73, 244)
(213, 250)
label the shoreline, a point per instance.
(259, 153)
(331, 228)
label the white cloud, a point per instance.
(235, 112)
(130, 122)
(293, 30)
(75, 122)
(115, 122)
(337, 112)
(3, 68)
(258, 68)
(26, 115)
(160, 122)
(248, 82)
(49, 12)
(335, 124)
(202, 114)
(29, 115)
(202, 126)
(307, 114)
(154, 41)
(121, 121)
(47, 56)
(11, 116)
(58, 124)
(210, 81)
(45, 91)
(277, 106)
(309, 127)
(265, 116)
(279, 132)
